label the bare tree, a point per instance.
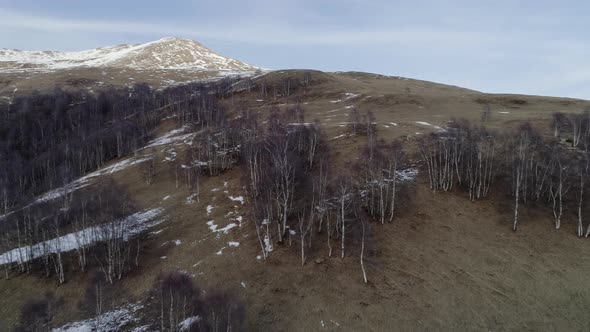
(147, 167)
(582, 173)
(345, 197)
(578, 122)
(524, 145)
(306, 219)
(395, 156)
(486, 113)
(57, 257)
(284, 177)
(354, 121)
(362, 254)
(558, 121)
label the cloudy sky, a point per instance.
(520, 46)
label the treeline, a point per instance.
(53, 139)
(47, 140)
(96, 230)
(550, 171)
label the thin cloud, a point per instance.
(270, 33)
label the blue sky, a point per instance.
(531, 47)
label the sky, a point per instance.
(504, 46)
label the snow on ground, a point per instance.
(85, 180)
(233, 215)
(186, 324)
(243, 284)
(177, 242)
(170, 155)
(350, 95)
(114, 320)
(237, 199)
(132, 225)
(214, 228)
(226, 229)
(423, 123)
(504, 112)
(267, 244)
(210, 209)
(306, 124)
(333, 116)
(239, 220)
(347, 96)
(335, 323)
(170, 137)
(233, 244)
(407, 175)
(190, 199)
(117, 167)
(341, 136)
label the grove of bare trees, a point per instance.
(547, 171)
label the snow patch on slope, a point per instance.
(114, 320)
(85, 180)
(423, 123)
(130, 226)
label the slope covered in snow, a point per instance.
(166, 53)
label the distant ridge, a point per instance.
(167, 54)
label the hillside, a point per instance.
(443, 263)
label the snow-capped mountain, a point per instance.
(165, 54)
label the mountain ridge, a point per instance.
(166, 53)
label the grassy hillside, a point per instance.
(445, 263)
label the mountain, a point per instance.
(166, 53)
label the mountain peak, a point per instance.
(166, 53)
(175, 39)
